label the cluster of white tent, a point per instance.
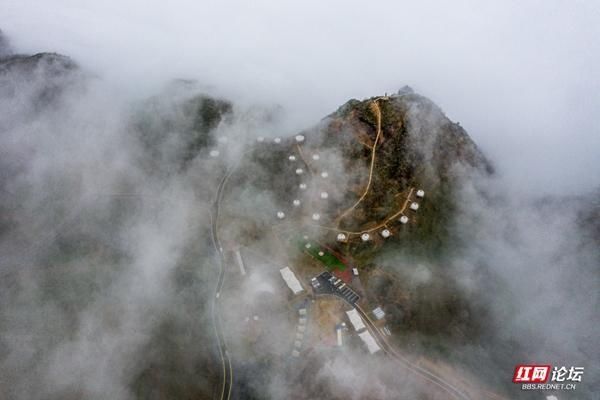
(385, 233)
(300, 171)
(341, 237)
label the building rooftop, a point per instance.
(290, 279)
(356, 320)
(378, 312)
(367, 338)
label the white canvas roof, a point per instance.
(379, 313)
(369, 341)
(356, 320)
(291, 280)
(238, 257)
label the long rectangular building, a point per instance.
(290, 279)
(356, 320)
(369, 341)
(238, 257)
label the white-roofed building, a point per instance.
(355, 271)
(324, 174)
(386, 233)
(338, 331)
(299, 171)
(302, 186)
(403, 219)
(365, 237)
(414, 206)
(296, 202)
(277, 140)
(341, 237)
(299, 138)
(280, 214)
(238, 257)
(290, 279)
(324, 195)
(420, 193)
(372, 345)
(292, 158)
(316, 216)
(378, 312)
(356, 320)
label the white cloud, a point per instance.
(522, 78)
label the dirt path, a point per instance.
(381, 225)
(375, 108)
(301, 154)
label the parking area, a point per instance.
(326, 283)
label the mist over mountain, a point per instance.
(110, 281)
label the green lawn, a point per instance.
(330, 261)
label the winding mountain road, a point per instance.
(227, 370)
